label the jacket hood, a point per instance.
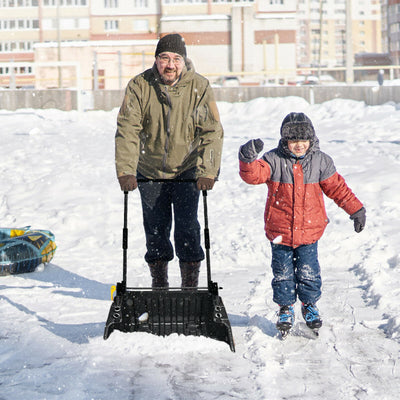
(297, 126)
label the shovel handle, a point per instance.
(122, 287)
(212, 286)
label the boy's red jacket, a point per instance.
(295, 206)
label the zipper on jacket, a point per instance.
(168, 129)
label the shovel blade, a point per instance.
(194, 312)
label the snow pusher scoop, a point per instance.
(163, 311)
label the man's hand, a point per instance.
(205, 183)
(127, 182)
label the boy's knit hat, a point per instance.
(173, 43)
(297, 126)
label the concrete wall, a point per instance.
(371, 95)
(108, 99)
(52, 98)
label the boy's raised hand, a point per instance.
(249, 151)
(359, 219)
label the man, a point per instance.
(169, 129)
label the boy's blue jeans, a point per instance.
(297, 274)
(161, 201)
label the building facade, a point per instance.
(112, 40)
(391, 29)
(244, 36)
(322, 30)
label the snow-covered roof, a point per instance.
(196, 17)
(97, 43)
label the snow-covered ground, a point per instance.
(57, 173)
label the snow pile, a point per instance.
(57, 173)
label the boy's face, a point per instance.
(298, 147)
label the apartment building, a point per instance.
(114, 39)
(322, 30)
(124, 19)
(108, 41)
(24, 23)
(120, 39)
(391, 29)
(240, 36)
(244, 36)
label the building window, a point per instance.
(6, 47)
(141, 25)
(110, 3)
(111, 25)
(65, 3)
(141, 3)
(67, 23)
(230, 1)
(19, 70)
(18, 3)
(8, 24)
(205, 1)
(49, 23)
(83, 23)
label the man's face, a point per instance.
(298, 147)
(170, 66)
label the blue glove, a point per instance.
(249, 151)
(359, 219)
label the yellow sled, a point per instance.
(23, 249)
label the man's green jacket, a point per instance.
(164, 130)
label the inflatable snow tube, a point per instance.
(23, 249)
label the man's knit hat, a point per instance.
(297, 126)
(173, 43)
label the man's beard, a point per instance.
(167, 80)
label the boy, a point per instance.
(297, 174)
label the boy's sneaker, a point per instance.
(311, 316)
(285, 318)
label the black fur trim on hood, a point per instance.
(297, 126)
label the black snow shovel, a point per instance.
(163, 311)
